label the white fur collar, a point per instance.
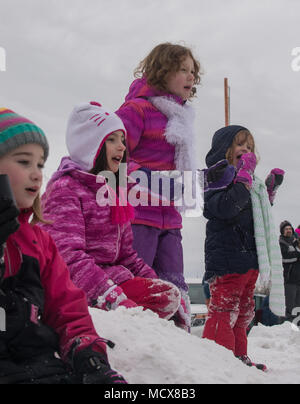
(179, 130)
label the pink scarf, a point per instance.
(123, 212)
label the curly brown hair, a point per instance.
(164, 59)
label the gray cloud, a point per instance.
(63, 52)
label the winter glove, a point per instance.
(93, 368)
(8, 211)
(218, 176)
(245, 169)
(296, 243)
(273, 181)
(8, 220)
(113, 298)
(157, 295)
(12, 373)
(182, 317)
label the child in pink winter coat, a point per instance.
(159, 123)
(92, 232)
(159, 120)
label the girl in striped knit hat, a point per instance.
(42, 313)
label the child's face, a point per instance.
(115, 150)
(243, 143)
(181, 83)
(24, 166)
(240, 149)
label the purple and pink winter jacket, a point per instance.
(148, 147)
(98, 253)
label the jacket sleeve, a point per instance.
(67, 227)
(284, 250)
(290, 253)
(226, 204)
(129, 258)
(132, 117)
(66, 308)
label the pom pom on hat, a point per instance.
(16, 131)
(88, 127)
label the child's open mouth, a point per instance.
(117, 159)
(32, 190)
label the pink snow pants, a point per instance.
(231, 310)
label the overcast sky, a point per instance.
(63, 52)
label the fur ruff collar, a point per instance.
(179, 130)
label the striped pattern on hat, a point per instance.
(16, 131)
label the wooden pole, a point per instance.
(226, 99)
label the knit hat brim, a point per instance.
(16, 131)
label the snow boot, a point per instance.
(247, 361)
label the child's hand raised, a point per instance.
(273, 181)
(245, 169)
(218, 176)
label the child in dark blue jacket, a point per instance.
(230, 249)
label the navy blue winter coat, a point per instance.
(230, 244)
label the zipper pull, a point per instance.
(108, 342)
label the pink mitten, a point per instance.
(273, 181)
(114, 298)
(245, 169)
(154, 294)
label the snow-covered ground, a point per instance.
(153, 351)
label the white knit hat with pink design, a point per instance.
(88, 127)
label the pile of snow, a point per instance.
(153, 351)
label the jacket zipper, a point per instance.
(10, 272)
(242, 237)
(118, 242)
